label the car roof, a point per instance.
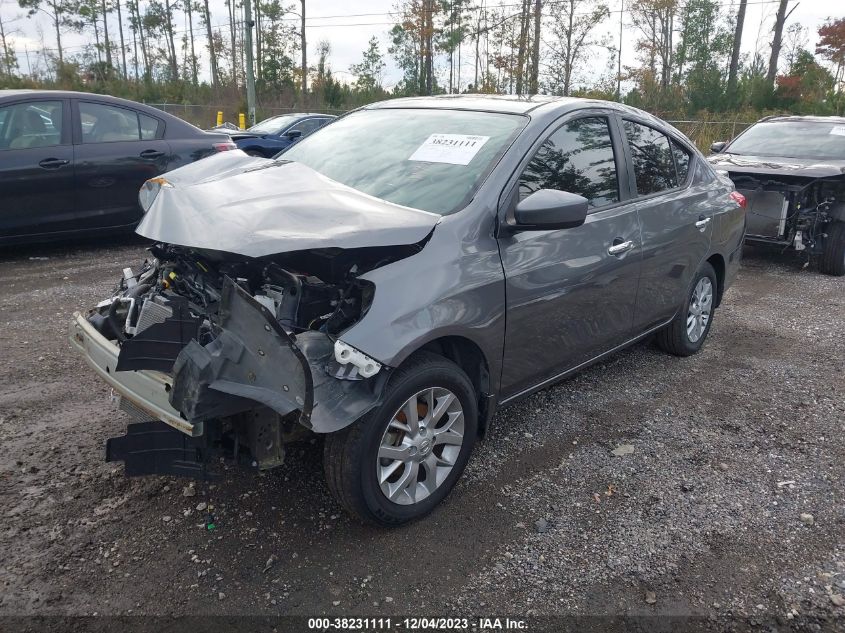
(511, 104)
(810, 118)
(299, 115)
(544, 107)
(62, 94)
(174, 123)
(72, 94)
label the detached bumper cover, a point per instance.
(252, 360)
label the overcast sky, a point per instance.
(348, 26)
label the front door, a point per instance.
(116, 150)
(571, 292)
(36, 168)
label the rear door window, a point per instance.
(149, 127)
(682, 160)
(106, 124)
(654, 163)
(578, 158)
(33, 124)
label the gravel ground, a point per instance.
(648, 485)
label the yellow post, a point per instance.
(242, 121)
(220, 117)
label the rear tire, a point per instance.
(386, 473)
(686, 334)
(833, 257)
(255, 152)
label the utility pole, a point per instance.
(535, 53)
(304, 53)
(250, 71)
(619, 53)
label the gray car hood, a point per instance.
(256, 207)
(807, 167)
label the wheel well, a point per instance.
(469, 357)
(718, 264)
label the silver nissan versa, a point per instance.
(392, 279)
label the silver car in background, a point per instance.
(394, 278)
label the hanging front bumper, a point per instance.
(148, 390)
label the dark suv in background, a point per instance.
(72, 163)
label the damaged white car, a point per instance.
(393, 278)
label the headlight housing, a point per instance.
(149, 191)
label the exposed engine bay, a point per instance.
(791, 211)
(252, 344)
(190, 283)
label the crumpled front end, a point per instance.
(791, 202)
(245, 353)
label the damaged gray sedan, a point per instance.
(391, 298)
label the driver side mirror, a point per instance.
(550, 209)
(293, 134)
(717, 147)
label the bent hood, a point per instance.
(809, 168)
(256, 207)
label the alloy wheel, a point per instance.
(700, 307)
(420, 446)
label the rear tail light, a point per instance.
(224, 147)
(737, 197)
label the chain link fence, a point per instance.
(205, 116)
(701, 132)
(704, 132)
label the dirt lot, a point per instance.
(707, 511)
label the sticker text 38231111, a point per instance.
(455, 149)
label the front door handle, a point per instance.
(702, 222)
(621, 247)
(53, 163)
(151, 153)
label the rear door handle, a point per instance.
(621, 247)
(702, 222)
(53, 163)
(151, 153)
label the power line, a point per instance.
(397, 16)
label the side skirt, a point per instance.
(565, 374)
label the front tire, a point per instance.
(833, 257)
(399, 461)
(685, 335)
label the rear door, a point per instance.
(570, 292)
(36, 167)
(676, 219)
(116, 150)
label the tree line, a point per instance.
(688, 55)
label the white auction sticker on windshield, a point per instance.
(455, 149)
(839, 130)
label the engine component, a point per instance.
(766, 212)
